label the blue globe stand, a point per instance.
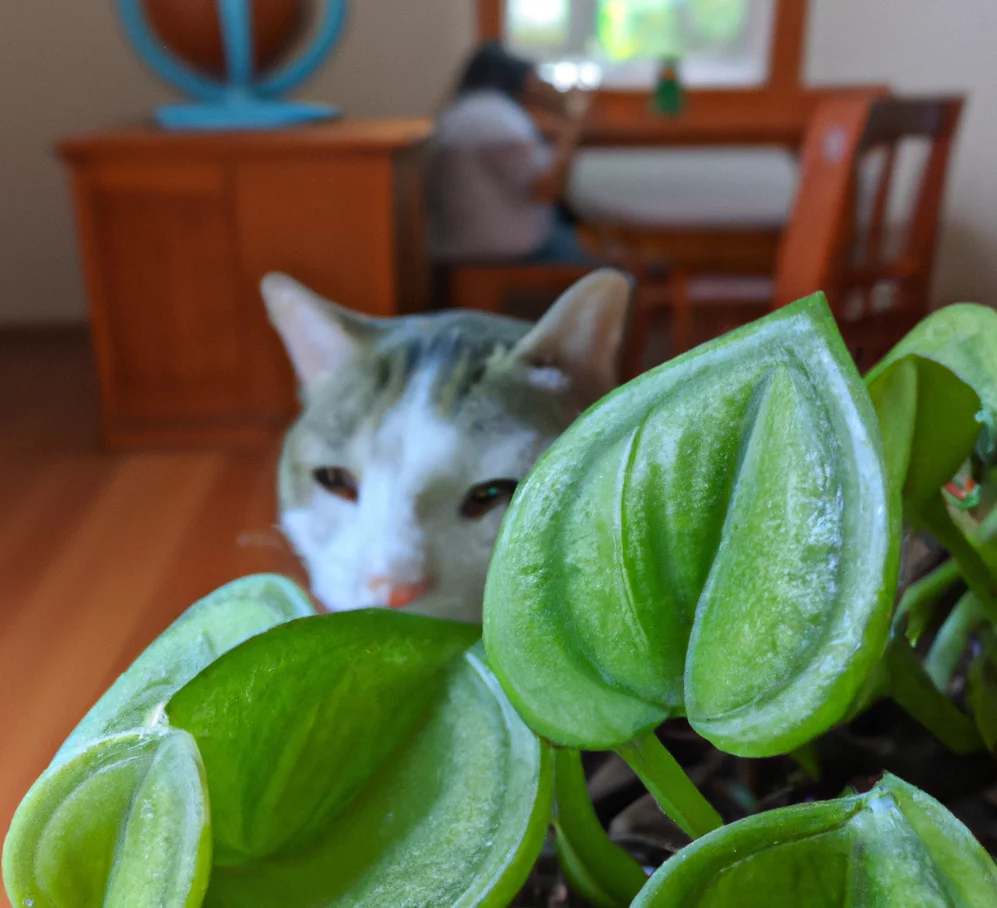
(244, 101)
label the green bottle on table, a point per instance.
(668, 95)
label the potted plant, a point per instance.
(718, 542)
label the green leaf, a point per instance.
(122, 824)
(365, 758)
(928, 392)
(893, 847)
(715, 539)
(200, 635)
(894, 398)
(936, 396)
(293, 723)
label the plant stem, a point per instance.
(981, 681)
(598, 869)
(670, 786)
(915, 692)
(934, 517)
(805, 756)
(951, 641)
(920, 599)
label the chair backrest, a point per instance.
(838, 232)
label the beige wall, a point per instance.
(64, 67)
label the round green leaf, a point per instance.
(928, 392)
(200, 635)
(893, 847)
(715, 539)
(365, 759)
(122, 824)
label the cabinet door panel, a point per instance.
(165, 289)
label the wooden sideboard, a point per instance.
(176, 230)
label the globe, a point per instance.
(230, 56)
(192, 29)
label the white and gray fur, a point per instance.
(421, 409)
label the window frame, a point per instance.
(774, 113)
(786, 56)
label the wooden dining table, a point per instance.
(773, 119)
(716, 231)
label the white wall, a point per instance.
(64, 67)
(930, 46)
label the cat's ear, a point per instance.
(320, 337)
(582, 333)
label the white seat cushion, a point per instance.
(702, 187)
(705, 290)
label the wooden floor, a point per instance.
(100, 552)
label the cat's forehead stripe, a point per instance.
(444, 365)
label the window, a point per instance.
(621, 43)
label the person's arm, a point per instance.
(523, 161)
(549, 185)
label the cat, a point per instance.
(415, 431)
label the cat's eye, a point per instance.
(341, 483)
(486, 496)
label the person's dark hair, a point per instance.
(492, 66)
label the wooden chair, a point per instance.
(839, 235)
(668, 267)
(490, 286)
(836, 239)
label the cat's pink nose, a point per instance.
(398, 595)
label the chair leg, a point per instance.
(480, 292)
(490, 296)
(633, 353)
(441, 288)
(682, 315)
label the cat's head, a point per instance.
(416, 430)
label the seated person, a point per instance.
(493, 181)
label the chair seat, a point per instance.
(515, 266)
(507, 286)
(704, 291)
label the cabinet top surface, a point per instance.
(347, 134)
